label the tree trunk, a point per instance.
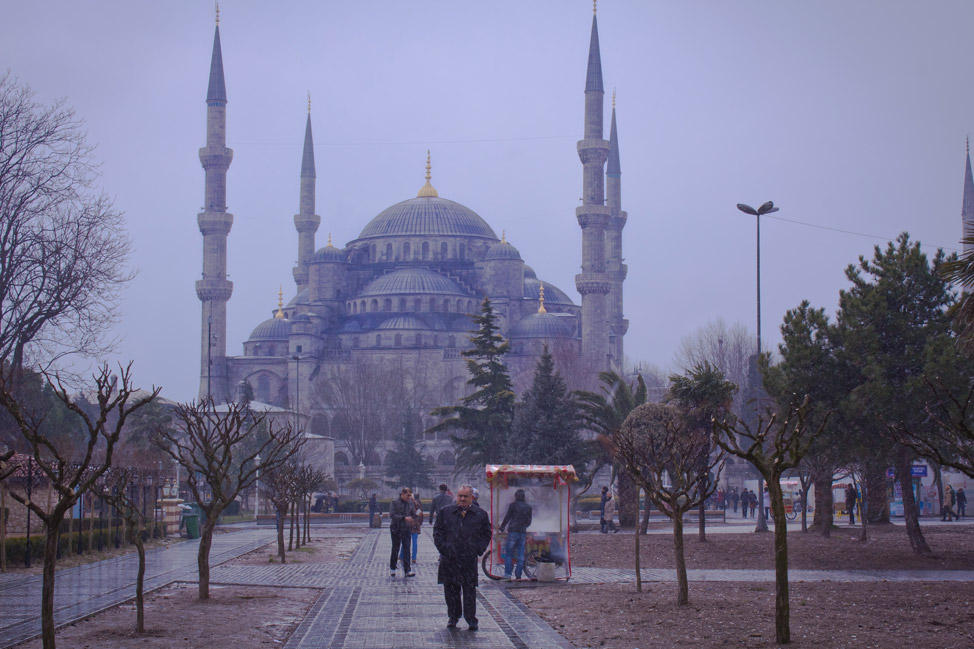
(3, 526)
(639, 576)
(139, 586)
(702, 523)
(912, 523)
(823, 503)
(628, 501)
(683, 586)
(47, 588)
(281, 513)
(782, 613)
(203, 557)
(877, 501)
(290, 538)
(644, 528)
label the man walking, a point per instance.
(461, 534)
(400, 527)
(440, 501)
(518, 516)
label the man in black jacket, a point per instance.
(440, 501)
(401, 513)
(516, 520)
(461, 534)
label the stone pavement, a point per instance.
(84, 590)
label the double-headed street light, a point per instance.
(767, 208)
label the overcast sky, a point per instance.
(852, 117)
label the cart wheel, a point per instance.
(484, 564)
(531, 565)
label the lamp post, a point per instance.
(209, 347)
(257, 495)
(766, 208)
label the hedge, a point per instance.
(68, 543)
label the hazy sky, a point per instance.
(852, 117)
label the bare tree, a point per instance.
(73, 470)
(773, 447)
(279, 486)
(949, 441)
(218, 449)
(729, 348)
(660, 449)
(62, 244)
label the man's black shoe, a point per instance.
(452, 624)
(472, 627)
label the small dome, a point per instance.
(529, 272)
(403, 322)
(412, 280)
(272, 329)
(328, 254)
(552, 294)
(541, 325)
(502, 250)
(427, 216)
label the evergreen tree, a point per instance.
(405, 464)
(480, 423)
(546, 423)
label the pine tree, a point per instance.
(405, 464)
(481, 421)
(546, 423)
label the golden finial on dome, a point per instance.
(503, 236)
(329, 241)
(309, 102)
(595, 6)
(541, 308)
(427, 189)
(217, 14)
(280, 304)
(613, 99)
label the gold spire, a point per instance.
(595, 6)
(541, 308)
(309, 101)
(427, 189)
(613, 100)
(217, 14)
(503, 236)
(280, 304)
(329, 241)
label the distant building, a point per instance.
(399, 296)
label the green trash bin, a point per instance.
(192, 522)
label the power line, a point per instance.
(858, 234)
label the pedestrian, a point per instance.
(961, 499)
(745, 501)
(400, 528)
(440, 500)
(415, 528)
(720, 499)
(461, 534)
(517, 520)
(767, 503)
(610, 512)
(476, 498)
(605, 491)
(753, 500)
(850, 503)
(947, 511)
(735, 498)
(373, 510)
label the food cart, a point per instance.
(548, 491)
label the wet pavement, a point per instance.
(360, 605)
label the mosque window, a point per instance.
(341, 459)
(405, 251)
(297, 349)
(363, 306)
(387, 304)
(270, 350)
(398, 342)
(419, 340)
(446, 306)
(373, 253)
(378, 340)
(451, 342)
(354, 307)
(426, 250)
(263, 388)
(446, 458)
(459, 306)
(417, 305)
(355, 342)
(374, 306)
(443, 250)
(462, 252)
(388, 252)
(402, 304)
(436, 340)
(256, 350)
(432, 304)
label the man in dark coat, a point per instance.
(401, 512)
(440, 501)
(461, 534)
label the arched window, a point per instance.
(402, 304)
(378, 340)
(443, 250)
(388, 252)
(372, 253)
(436, 340)
(446, 458)
(354, 308)
(459, 306)
(451, 342)
(432, 304)
(375, 305)
(419, 340)
(363, 306)
(398, 340)
(417, 305)
(426, 250)
(405, 251)
(264, 388)
(387, 304)
(270, 350)
(446, 305)
(341, 459)
(355, 342)
(462, 252)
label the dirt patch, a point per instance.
(321, 549)
(234, 616)
(824, 615)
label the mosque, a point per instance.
(397, 299)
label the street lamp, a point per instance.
(766, 208)
(257, 495)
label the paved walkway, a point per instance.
(360, 605)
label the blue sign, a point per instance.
(916, 471)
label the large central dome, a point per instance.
(427, 216)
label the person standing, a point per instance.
(752, 498)
(745, 501)
(414, 528)
(947, 512)
(516, 520)
(605, 490)
(440, 501)
(961, 499)
(461, 534)
(610, 513)
(400, 528)
(735, 498)
(373, 510)
(850, 503)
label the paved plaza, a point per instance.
(360, 606)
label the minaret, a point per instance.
(306, 222)
(616, 270)
(214, 222)
(967, 210)
(593, 217)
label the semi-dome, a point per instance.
(300, 299)
(413, 280)
(541, 325)
(427, 216)
(552, 294)
(502, 251)
(277, 329)
(403, 322)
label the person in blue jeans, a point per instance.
(516, 520)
